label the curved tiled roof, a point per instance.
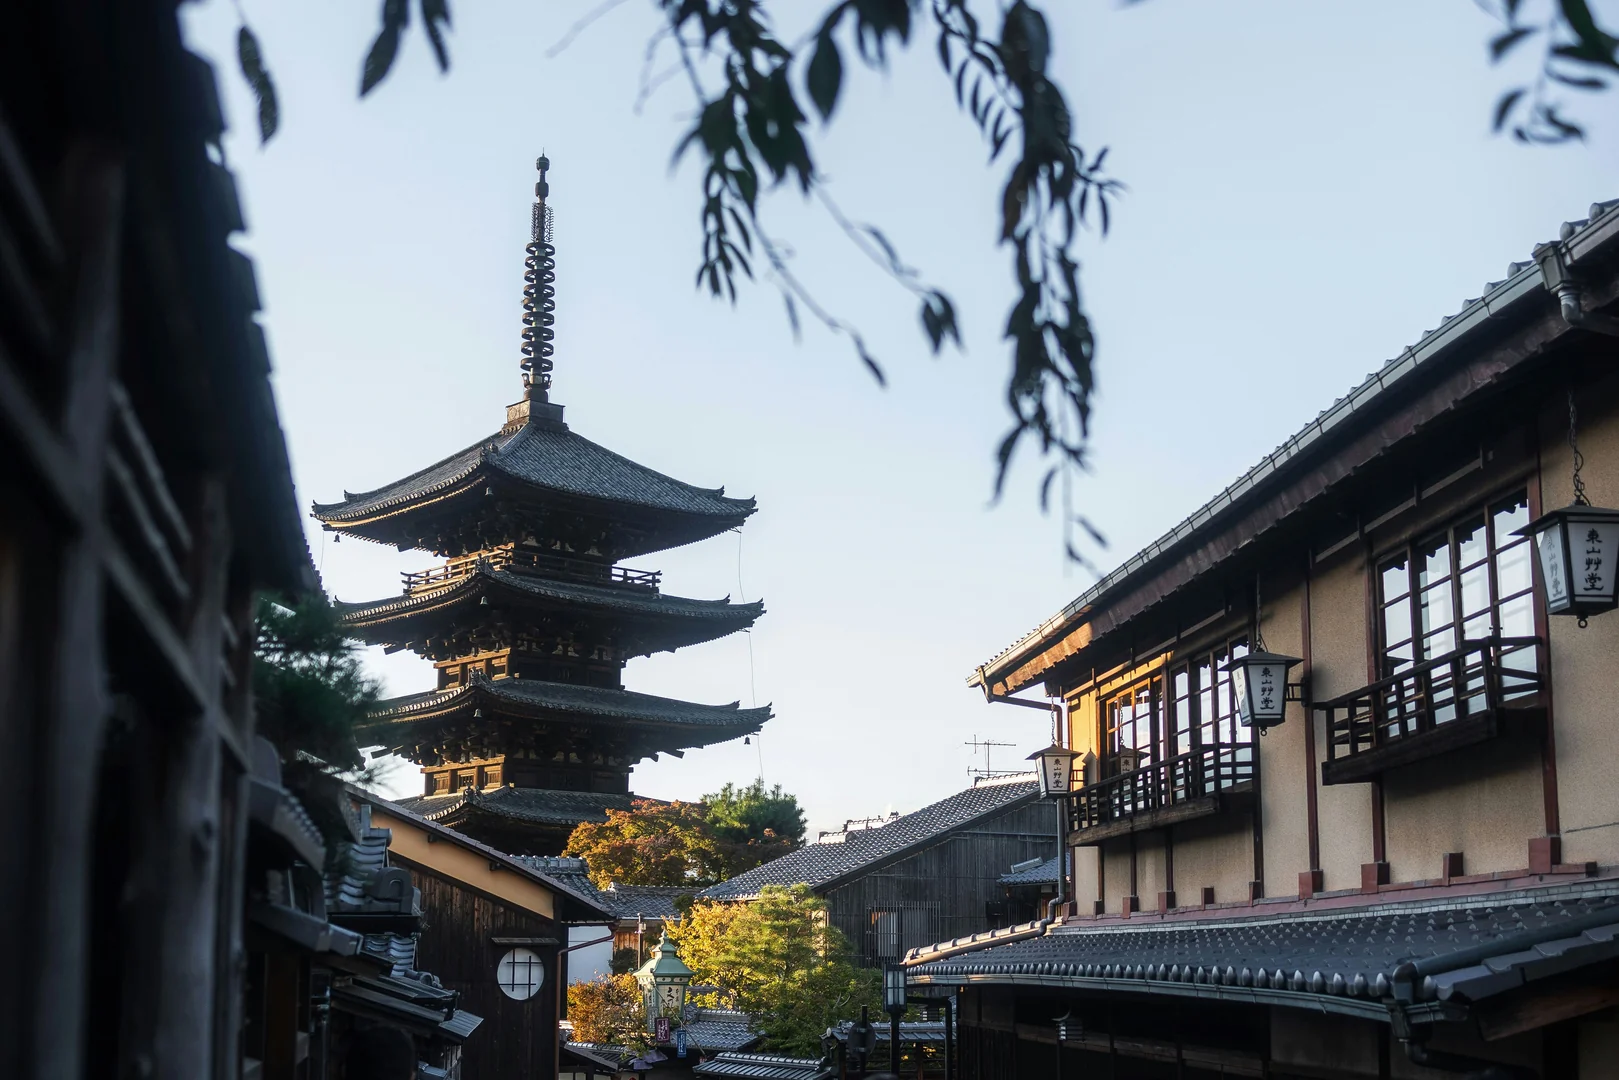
(1043, 874)
(817, 865)
(1462, 948)
(572, 699)
(703, 620)
(619, 901)
(762, 1067)
(526, 804)
(548, 456)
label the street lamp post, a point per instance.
(862, 1040)
(663, 980)
(894, 1003)
(1055, 768)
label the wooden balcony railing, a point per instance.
(1175, 789)
(533, 562)
(1467, 695)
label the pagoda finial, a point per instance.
(539, 294)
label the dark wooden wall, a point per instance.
(517, 1040)
(954, 880)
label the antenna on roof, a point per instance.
(987, 773)
(539, 294)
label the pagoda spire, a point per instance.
(539, 294)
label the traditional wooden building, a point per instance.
(920, 877)
(1416, 872)
(146, 495)
(496, 930)
(530, 620)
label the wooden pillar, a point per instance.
(74, 696)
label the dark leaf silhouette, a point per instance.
(251, 59)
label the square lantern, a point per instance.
(663, 980)
(1578, 549)
(1259, 683)
(1055, 767)
(894, 987)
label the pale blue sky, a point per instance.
(1311, 187)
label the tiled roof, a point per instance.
(551, 457)
(761, 1067)
(571, 699)
(1583, 239)
(1437, 950)
(606, 598)
(720, 1029)
(818, 865)
(1043, 874)
(618, 901)
(650, 901)
(523, 804)
(461, 840)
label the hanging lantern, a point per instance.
(1259, 683)
(1579, 556)
(1054, 765)
(663, 980)
(1577, 545)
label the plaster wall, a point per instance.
(1214, 851)
(1283, 770)
(1585, 705)
(1338, 653)
(1483, 801)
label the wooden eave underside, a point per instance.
(456, 611)
(1456, 387)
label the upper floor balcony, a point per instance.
(1199, 783)
(1484, 689)
(544, 564)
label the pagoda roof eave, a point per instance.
(703, 620)
(693, 725)
(542, 462)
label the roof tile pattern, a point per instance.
(524, 804)
(618, 901)
(572, 699)
(760, 1067)
(595, 598)
(817, 864)
(1351, 954)
(552, 457)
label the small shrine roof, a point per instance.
(570, 699)
(548, 456)
(578, 595)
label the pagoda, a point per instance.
(530, 619)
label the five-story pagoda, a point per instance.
(530, 620)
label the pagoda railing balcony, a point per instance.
(1486, 688)
(538, 563)
(1191, 785)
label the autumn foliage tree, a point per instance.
(608, 1010)
(696, 844)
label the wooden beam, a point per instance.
(1546, 1003)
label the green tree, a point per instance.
(310, 691)
(753, 824)
(779, 959)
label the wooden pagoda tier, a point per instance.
(491, 732)
(538, 481)
(521, 605)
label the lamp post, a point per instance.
(1055, 768)
(663, 980)
(862, 1040)
(894, 1004)
(1259, 683)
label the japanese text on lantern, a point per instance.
(1593, 561)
